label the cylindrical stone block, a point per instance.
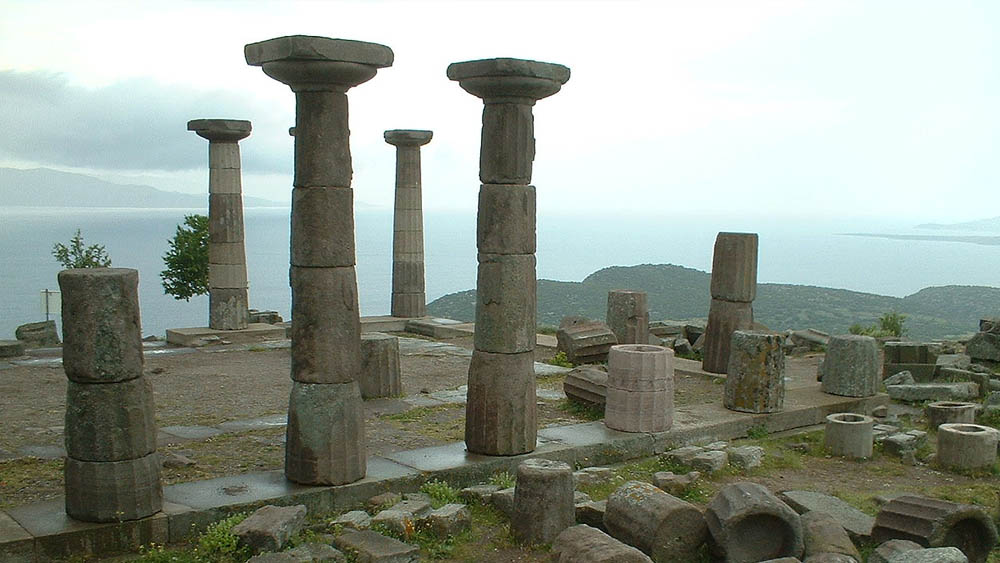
(505, 303)
(110, 422)
(849, 435)
(407, 275)
(99, 491)
(101, 327)
(748, 524)
(225, 180)
(225, 218)
(507, 150)
(409, 305)
(967, 446)
(947, 412)
(583, 544)
(227, 253)
(325, 438)
(500, 414)
(323, 227)
(937, 523)
(228, 309)
(379, 366)
(662, 526)
(326, 327)
(640, 393)
(724, 318)
(322, 139)
(543, 501)
(755, 380)
(734, 267)
(851, 368)
(506, 219)
(227, 276)
(628, 316)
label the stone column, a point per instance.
(628, 316)
(734, 287)
(112, 470)
(227, 259)
(408, 299)
(500, 413)
(325, 441)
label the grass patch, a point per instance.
(503, 479)
(441, 493)
(581, 410)
(547, 329)
(989, 418)
(443, 422)
(560, 359)
(29, 479)
(216, 544)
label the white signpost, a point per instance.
(51, 303)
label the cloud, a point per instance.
(135, 124)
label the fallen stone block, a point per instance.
(830, 558)
(662, 526)
(984, 346)
(11, 348)
(675, 485)
(384, 500)
(37, 335)
(416, 506)
(748, 523)
(746, 457)
(900, 443)
(587, 384)
(398, 522)
(937, 523)
(857, 524)
(681, 455)
(948, 412)
(709, 461)
(270, 527)
(822, 534)
(959, 391)
(355, 520)
(900, 378)
(967, 446)
(478, 494)
(585, 544)
(449, 520)
(543, 501)
(887, 550)
(374, 547)
(589, 476)
(503, 500)
(308, 553)
(933, 555)
(664, 329)
(585, 342)
(592, 513)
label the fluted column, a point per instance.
(408, 297)
(734, 287)
(500, 413)
(325, 440)
(228, 307)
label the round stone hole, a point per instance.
(639, 348)
(760, 537)
(848, 418)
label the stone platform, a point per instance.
(201, 336)
(43, 532)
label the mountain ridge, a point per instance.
(676, 292)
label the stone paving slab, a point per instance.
(198, 336)
(18, 545)
(262, 423)
(191, 432)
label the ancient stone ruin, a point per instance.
(227, 261)
(734, 287)
(500, 413)
(628, 316)
(326, 433)
(112, 470)
(756, 373)
(408, 299)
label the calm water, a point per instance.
(805, 252)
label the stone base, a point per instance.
(202, 336)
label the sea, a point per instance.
(807, 251)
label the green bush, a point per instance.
(441, 493)
(560, 360)
(76, 255)
(187, 260)
(889, 324)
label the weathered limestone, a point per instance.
(583, 544)
(734, 287)
(947, 412)
(640, 392)
(756, 373)
(967, 446)
(408, 297)
(585, 342)
(270, 527)
(227, 262)
(543, 501)
(937, 523)
(587, 384)
(628, 316)
(849, 435)
(851, 366)
(379, 366)
(505, 286)
(112, 471)
(749, 524)
(662, 526)
(325, 435)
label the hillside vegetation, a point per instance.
(676, 292)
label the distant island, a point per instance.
(971, 239)
(43, 187)
(675, 292)
(989, 225)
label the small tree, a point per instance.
(76, 255)
(187, 259)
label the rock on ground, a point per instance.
(270, 527)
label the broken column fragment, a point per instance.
(325, 440)
(734, 287)
(628, 316)
(755, 380)
(500, 413)
(112, 471)
(937, 523)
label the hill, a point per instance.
(992, 225)
(676, 292)
(43, 187)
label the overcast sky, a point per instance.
(867, 108)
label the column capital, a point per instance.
(504, 79)
(306, 62)
(225, 130)
(408, 137)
